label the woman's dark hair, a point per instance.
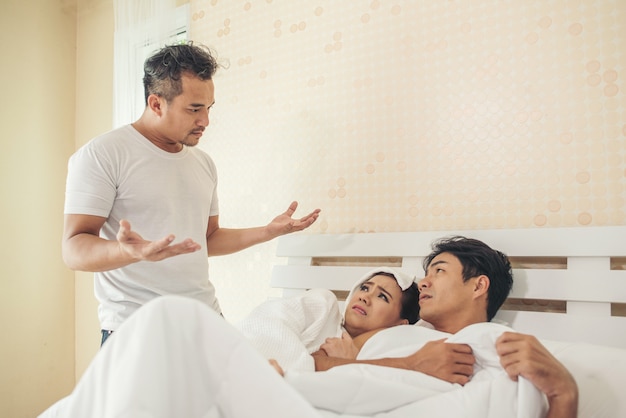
(477, 258)
(164, 69)
(410, 308)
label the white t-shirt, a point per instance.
(122, 175)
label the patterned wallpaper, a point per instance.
(414, 115)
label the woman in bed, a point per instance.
(391, 306)
(290, 331)
(386, 299)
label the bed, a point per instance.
(570, 291)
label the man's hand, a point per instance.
(453, 363)
(340, 347)
(285, 224)
(139, 249)
(523, 355)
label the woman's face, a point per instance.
(376, 304)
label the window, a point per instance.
(136, 38)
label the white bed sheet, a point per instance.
(176, 357)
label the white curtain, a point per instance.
(141, 27)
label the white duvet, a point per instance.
(365, 390)
(290, 329)
(177, 358)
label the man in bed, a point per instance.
(141, 203)
(466, 282)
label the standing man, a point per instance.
(151, 174)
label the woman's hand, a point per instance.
(277, 367)
(343, 347)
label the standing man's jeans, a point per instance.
(105, 334)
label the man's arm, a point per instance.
(84, 250)
(222, 241)
(523, 355)
(453, 363)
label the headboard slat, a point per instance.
(580, 285)
(536, 242)
(567, 327)
(580, 271)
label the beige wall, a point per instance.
(94, 115)
(56, 72)
(37, 134)
(409, 115)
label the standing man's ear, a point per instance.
(155, 103)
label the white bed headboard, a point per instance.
(569, 283)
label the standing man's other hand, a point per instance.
(285, 224)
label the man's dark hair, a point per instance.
(410, 306)
(477, 258)
(164, 69)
